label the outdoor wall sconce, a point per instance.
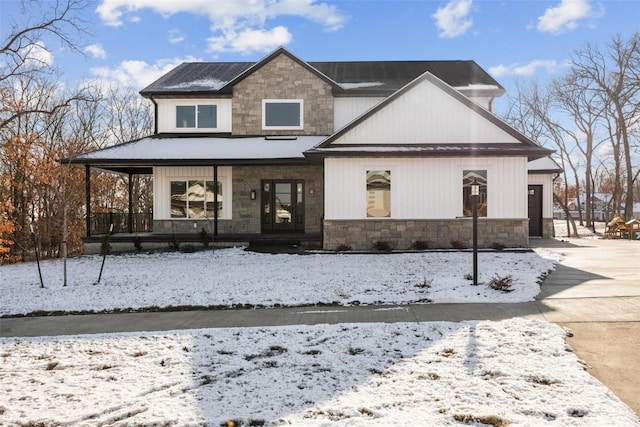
(253, 194)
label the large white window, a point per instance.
(282, 114)
(378, 194)
(197, 116)
(194, 199)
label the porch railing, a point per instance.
(140, 222)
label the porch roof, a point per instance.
(175, 150)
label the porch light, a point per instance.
(253, 194)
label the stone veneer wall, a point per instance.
(548, 231)
(282, 78)
(246, 212)
(402, 234)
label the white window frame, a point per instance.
(282, 101)
(195, 108)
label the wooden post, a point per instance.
(130, 218)
(87, 189)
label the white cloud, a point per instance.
(250, 40)
(138, 74)
(175, 36)
(453, 20)
(550, 66)
(95, 50)
(564, 17)
(232, 18)
(36, 55)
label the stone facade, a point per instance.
(246, 212)
(439, 233)
(548, 231)
(282, 78)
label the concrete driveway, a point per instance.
(595, 292)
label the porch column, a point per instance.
(215, 200)
(130, 219)
(87, 190)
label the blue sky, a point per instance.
(132, 42)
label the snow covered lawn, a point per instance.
(512, 372)
(232, 277)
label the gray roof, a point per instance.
(350, 77)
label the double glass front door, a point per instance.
(282, 206)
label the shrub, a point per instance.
(205, 239)
(105, 245)
(421, 245)
(501, 283)
(137, 243)
(188, 249)
(458, 244)
(343, 248)
(381, 246)
(174, 244)
(497, 246)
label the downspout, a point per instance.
(215, 200)
(155, 115)
(87, 189)
(130, 219)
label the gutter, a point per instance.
(155, 115)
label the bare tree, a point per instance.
(614, 75)
(21, 49)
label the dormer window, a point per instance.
(282, 114)
(197, 116)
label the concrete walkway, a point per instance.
(595, 292)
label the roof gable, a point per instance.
(280, 51)
(427, 111)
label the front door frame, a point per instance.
(535, 210)
(270, 222)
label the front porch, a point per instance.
(126, 242)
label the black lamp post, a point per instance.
(475, 194)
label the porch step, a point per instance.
(279, 246)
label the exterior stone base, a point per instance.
(548, 231)
(437, 233)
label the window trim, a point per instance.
(196, 111)
(300, 102)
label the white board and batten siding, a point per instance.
(425, 188)
(546, 180)
(426, 114)
(167, 114)
(162, 177)
(345, 110)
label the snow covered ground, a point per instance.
(512, 372)
(229, 277)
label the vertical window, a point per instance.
(194, 199)
(379, 194)
(197, 116)
(468, 177)
(185, 116)
(282, 114)
(207, 116)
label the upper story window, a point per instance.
(197, 116)
(282, 114)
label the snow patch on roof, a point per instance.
(211, 84)
(477, 86)
(360, 85)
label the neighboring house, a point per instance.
(343, 153)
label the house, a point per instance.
(337, 153)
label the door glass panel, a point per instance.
(283, 207)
